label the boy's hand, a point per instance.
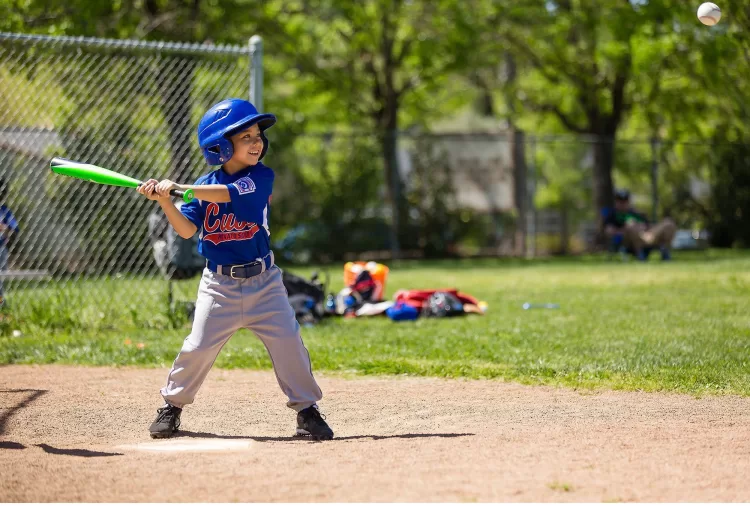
(165, 186)
(148, 188)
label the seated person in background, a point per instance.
(638, 236)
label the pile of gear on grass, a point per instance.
(178, 258)
(363, 296)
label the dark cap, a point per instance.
(622, 194)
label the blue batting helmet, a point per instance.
(226, 119)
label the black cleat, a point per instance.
(311, 423)
(167, 422)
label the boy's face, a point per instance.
(247, 146)
(622, 205)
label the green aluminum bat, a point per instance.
(100, 175)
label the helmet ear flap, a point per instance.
(219, 153)
(265, 145)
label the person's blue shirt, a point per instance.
(7, 219)
(234, 232)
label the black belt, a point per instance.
(242, 271)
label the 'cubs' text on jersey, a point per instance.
(234, 232)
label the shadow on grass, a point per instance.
(262, 439)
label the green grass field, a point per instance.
(682, 326)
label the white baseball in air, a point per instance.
(709, 14)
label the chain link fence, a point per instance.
(82, 254)
(474, 194)
(532, 195)
(91, 256)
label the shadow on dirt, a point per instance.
(76, 452)
(261, 439)
(11, 445)
(6, 413)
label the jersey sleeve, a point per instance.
(194, 210)
(251, 194)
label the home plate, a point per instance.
(191, 445)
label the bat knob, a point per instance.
(188, 196)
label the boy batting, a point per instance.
(241, 287)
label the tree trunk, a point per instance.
(604, 155)
(486, 104)
(518, 155)
(604, 158)
(520, 194)
(176, 106)
(394, 187)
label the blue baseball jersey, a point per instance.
(7, 219)
(234, 232)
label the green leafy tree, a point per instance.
(375, 61)
(583, 64)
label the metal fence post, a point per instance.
(256, 71)
(530, 207)
(654, 179)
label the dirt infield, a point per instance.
(78, 434)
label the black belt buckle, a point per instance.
(245, 266)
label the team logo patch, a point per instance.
(244, 185)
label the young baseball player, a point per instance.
(241, 287)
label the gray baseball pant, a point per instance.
(224, 306)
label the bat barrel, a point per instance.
(91, 173)
(94, 174)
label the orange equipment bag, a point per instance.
(378, 272)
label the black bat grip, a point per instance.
(186, 196)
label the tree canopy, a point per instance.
(606, 70)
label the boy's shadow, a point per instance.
(264, 439)
(29, 395)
